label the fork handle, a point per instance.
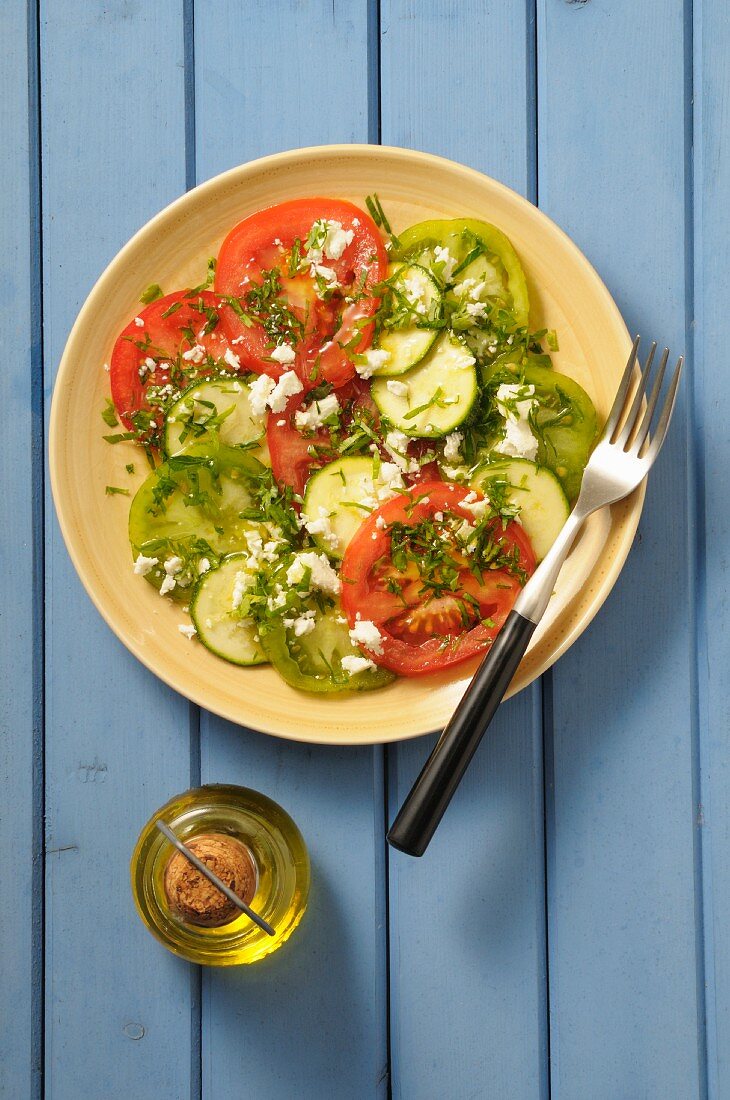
(431, 793)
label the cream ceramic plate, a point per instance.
(566, 294)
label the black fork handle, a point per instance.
(424, 807)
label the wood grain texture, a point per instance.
(468, 993)
(710, 502)
(20, 961)
(311, 1021)
(623, 948)
(117, 1005)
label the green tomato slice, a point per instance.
(468, 241)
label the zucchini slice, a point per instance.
(214, 615)
(440, 391)
(535, 490)
(412, 286)
(220, 406)
(338, 498)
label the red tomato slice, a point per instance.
(170, 327)
(424, 635)
(317, 329)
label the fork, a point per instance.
(619, 463)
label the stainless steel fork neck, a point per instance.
(535, 596)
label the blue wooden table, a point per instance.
(567, 933)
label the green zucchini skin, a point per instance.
(214, 617)
(408, 344)
(441, 391)
(335, 491)
(535, 490)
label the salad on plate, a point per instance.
(358, 449)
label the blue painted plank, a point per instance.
(467, 921)
(20, 959)
(310, 1021)
(623, 949)
(712, 509)
(118, 1019)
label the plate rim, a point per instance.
(633, 504)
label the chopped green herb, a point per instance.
(109, 414)
(114, 490)
(151, 294)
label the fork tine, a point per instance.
(633, 414)
(638, 441)
(666, 414)
(618, 404)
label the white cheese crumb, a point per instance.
(322, 526)
(443, 256)
(232, 359)
(106, 367)
(374, 359)
(400, 389)
(238, 340)
(188, 630)
(173, 566)
(240, 584)
(195, 354)
(139, 322)
(304, 624)
(314, 415)
(286, 387)
(168, 583)
(366, 634)
(143, 565)
(396, 444)
(259, 393)
(477, 310)
(515, 404)
(380, 523)
(283, 353)
(322, 576)
(452, 444)
(203, 565)
(353, 665)
(475, 504)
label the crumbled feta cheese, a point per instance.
(374, 359)
(314, 415)
(278, 599)
(283, 353)
(475, 504)
(353, 665)
(477, 310)
(443, 256)
(304, 624)
(396, 444)
(451, 447)
(259, 394)
(389, 481)
(143, 565)
(439, 517)
(203, 565)
(195, 354)
(366, 634)
(515, 404)
(400, 389)
(380, 523)
(355, 221)
(286, 387)
(187, 630)
(106, 367)
(322, 526)
(168, 583)
(240, 584)
(322, 575)
(232, 359)
(337, 240)
(173, 565)
(139, 322)
(415, 286)
(238, 340)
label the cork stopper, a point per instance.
(196, 900)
